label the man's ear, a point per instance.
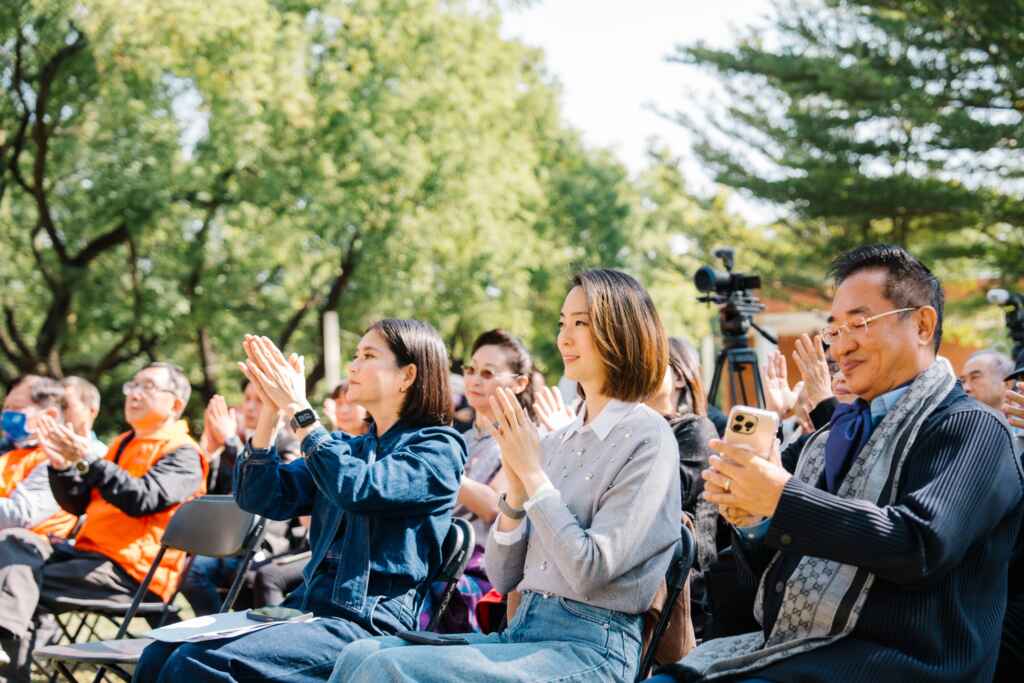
(179, 407)
(927, 322)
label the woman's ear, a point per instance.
(408, 377)
(520, 383)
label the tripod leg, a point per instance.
(716, 378)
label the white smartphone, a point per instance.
(752, 427)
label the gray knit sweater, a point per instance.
(605, 535)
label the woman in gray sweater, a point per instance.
(588, 523)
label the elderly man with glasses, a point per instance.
(128, 497)
(884, 556)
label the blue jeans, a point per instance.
(665, 678)
(204, 578)
(295, 653)
(549, 638)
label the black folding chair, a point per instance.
(457, 550)
(683, 557)
(213, 526)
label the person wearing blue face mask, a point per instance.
(29, 514)
(26, 501)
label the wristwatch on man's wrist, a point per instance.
(303, 418)
(82, 466)
(508, 510)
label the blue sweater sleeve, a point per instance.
(266, 486)
(421, 472)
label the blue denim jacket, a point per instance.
(380, 507)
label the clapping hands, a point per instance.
(1013, 405)
(60, 443)
(219, 423)
(281, 382)
(813, 363)
(778, 396)
(517, 436)
(551, 409)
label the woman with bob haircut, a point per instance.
(589, 521)
(381, 505)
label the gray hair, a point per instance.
(180, 385)
(1000, 362)
(86, 390)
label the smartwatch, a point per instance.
(508, 510)
(303, 418)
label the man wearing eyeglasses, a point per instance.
(128, 497)
(884, 556)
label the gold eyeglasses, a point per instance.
(856, 327)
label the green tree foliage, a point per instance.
(878, 120)
(176, 174)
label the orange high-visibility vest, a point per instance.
(133, 542)
(15, 466)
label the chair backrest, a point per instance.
(457, 550)
(683, 558)
(211, 525)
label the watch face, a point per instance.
(304, 418)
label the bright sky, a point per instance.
(610, 58)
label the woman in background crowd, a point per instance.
(499, 360)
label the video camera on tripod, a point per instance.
(1014, 306)
(737, 304)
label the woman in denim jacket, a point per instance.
(381, 505)
(587, 527)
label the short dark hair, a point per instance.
(43, 392)
(908, 283)
(414, 342)
(180, 385)
(627, 333)
(518, 358)
(685, 364)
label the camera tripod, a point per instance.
(737, 359)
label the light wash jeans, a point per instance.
(550, 638)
